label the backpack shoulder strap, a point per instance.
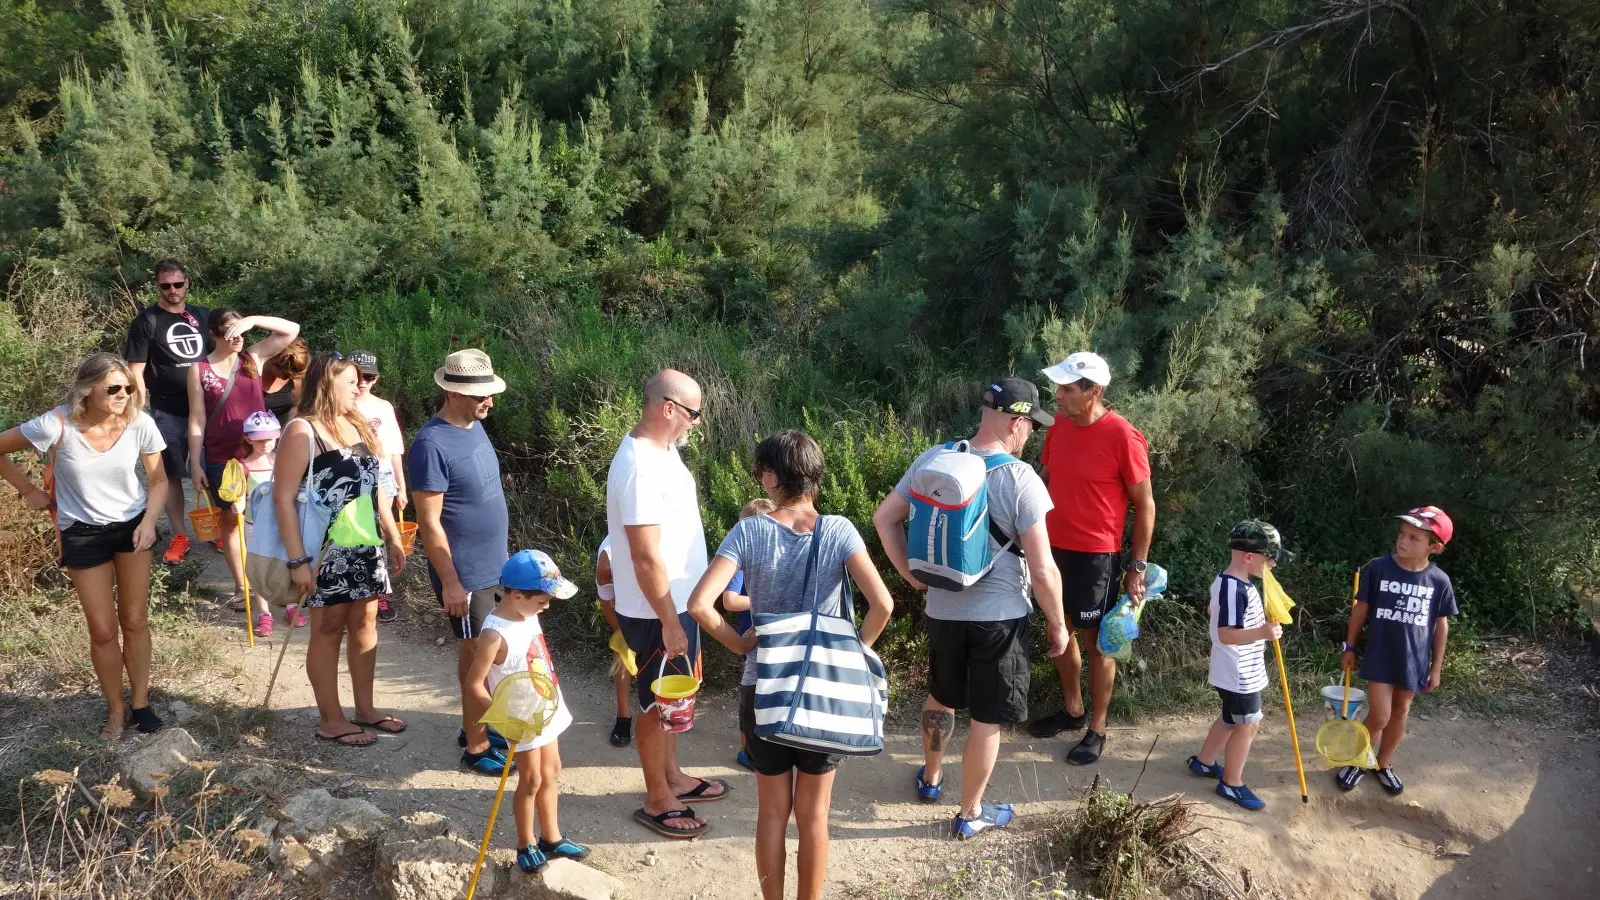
(992, 463)
(996, 460)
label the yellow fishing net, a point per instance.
(1273, 598)
(231, 488)
(523, 704)
(1345, 742)
(625, 656)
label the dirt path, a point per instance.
(1521, 804)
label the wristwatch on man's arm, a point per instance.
(1137, 566)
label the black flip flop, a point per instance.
(659, 825)
(699, 794)
(377, 725)
(341, 739)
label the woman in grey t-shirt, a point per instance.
(772, 551)
(99, 438)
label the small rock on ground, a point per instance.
(566, 879)
(420, 860)
(316, 834)
(154, 760)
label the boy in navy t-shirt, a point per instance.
(1406, 601)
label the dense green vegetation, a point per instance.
(1340, 254)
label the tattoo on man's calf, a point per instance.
(937, 726)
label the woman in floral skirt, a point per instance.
(341, 579)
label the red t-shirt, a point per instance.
(1090, 470)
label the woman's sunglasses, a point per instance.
(113, 390)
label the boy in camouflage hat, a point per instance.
(1239, 632)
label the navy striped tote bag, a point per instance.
(817, 687)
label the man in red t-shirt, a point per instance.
(1095, 462)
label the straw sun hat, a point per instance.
(469, 372)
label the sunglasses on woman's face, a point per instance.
(172, 285)
(113, 390)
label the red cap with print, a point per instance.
(1431, 518)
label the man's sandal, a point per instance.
(385, 724)
(659, 825)
(699, 794)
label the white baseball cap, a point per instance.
(1082, 364)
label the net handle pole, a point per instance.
(488, 831)
(244, 555)
(1288, 708)
(1355, 591)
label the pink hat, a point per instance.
(262, 426)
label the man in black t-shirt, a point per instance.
(164, 340)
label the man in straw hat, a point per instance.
(658, 553)
(463, 523)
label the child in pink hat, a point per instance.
(261, 433)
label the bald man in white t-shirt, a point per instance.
(658, 555)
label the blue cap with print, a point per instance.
(534, 570)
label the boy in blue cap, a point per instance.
(512, 642)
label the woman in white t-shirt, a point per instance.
(98, 439)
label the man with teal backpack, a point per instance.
(977, 543)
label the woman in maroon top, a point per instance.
(224, 389)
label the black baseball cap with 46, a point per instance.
(1018, 397)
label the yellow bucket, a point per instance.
(675, 687)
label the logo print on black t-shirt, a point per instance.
(1408, 604)
(184, 341)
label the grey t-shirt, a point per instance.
(1018, 501)
(773, 558)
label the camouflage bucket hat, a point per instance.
(1256, 536)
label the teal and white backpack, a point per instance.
(947, 541)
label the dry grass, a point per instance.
(1128, 847)
(95, 844)
(50, 701)
(44, 639)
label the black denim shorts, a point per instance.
(85, 546)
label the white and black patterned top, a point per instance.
(1240, 668)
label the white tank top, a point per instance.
(524, 643)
